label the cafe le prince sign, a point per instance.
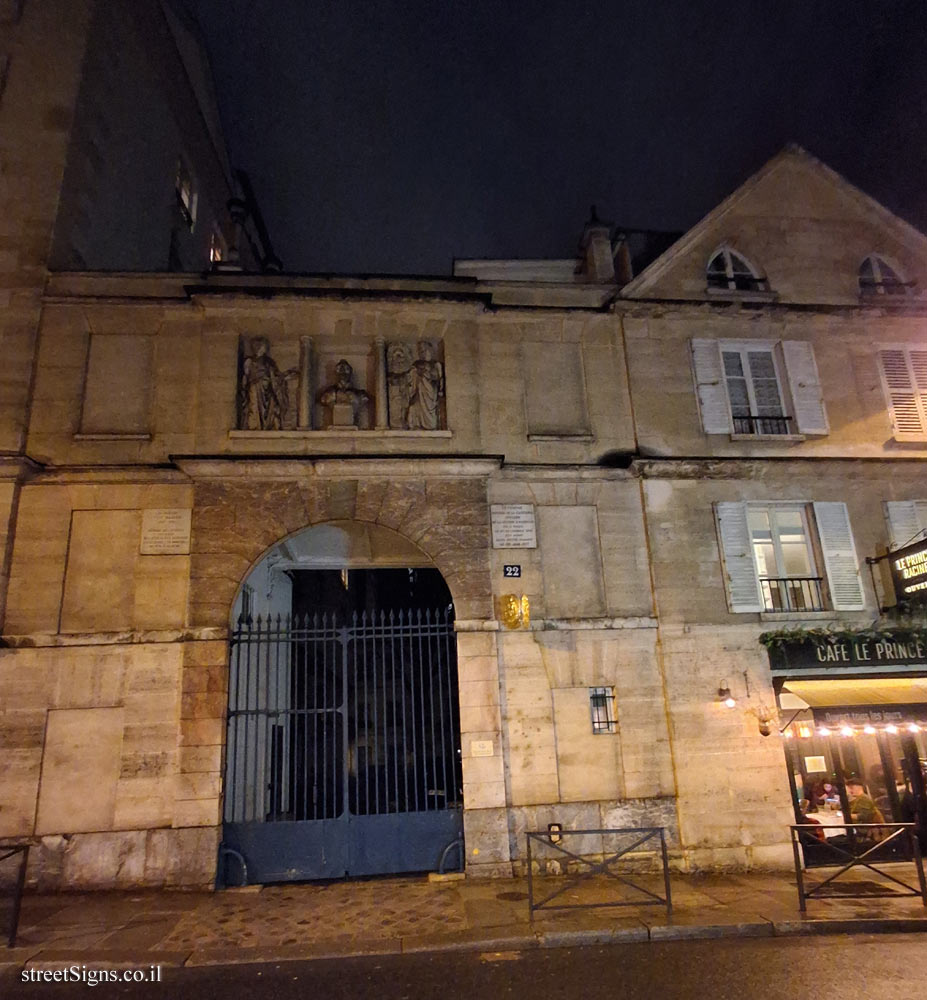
(889, 649)
(909, 573)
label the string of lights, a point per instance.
(806, 730)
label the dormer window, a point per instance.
(878, 277)
(728, 270)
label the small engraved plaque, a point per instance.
(513, 526)
(166, 531)
(481, 748)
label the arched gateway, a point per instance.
(343, 743)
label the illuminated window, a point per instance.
(878, 277)
(727, 269)
(602, 706)
(186, 194)
(216, 247)
(778, 556)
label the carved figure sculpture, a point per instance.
(263, 394)
(398, 364)
(345, 401)
(416, 387)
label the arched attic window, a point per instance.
(729, 270)
(878, 277)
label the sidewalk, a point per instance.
(414, 914)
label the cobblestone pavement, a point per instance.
(391, 908)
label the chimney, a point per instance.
(621, 255)
(596, 248)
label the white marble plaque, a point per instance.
(513, 526)
(481, 748)
(166, 531)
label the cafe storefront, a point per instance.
(853, 717)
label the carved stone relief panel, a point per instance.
(415, 377)
(398, 386)
(264, 398)
(344, 403)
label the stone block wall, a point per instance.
(95, 777)
(845, 345)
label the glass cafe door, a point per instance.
(889, 761)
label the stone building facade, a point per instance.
(673, 463)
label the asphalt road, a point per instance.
(825, 968)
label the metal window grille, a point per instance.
(602, 706)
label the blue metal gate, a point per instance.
(343, 752)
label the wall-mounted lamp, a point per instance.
(725, 696)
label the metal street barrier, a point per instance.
(857, 849)
(589, 868)
(8, 851)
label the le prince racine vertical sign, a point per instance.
(908, 566)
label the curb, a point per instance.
(20, 958)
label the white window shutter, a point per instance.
(906, 519)
(805, 386)
(711, 387)
(743, 586)
(846, 589)
(904, 380)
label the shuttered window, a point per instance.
(743, 587)
(904, 380)
(906, 520)
(769, 557)
(836, 538)
(758, 388)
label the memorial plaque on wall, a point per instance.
(513, 526)
(166, 531)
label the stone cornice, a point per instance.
(274, 467)
(71, 474)
(536, 472)
(758, 468)
(18, 468)
(44, 640)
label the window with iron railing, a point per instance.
(789, 556)
(785, 558)
(792, 593)
(749, 423)
(754, 391)
(758, 388)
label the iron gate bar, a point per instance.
(859, 861)
(600, 867)
(301, 748)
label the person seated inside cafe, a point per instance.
(809, 836)
(863, 810)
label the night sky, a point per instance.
(391, 136)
